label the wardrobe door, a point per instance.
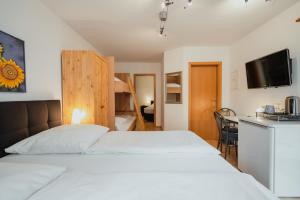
(80, 79)
(87, 82)
(101, 89)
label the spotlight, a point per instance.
(161, 32)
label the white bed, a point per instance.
(144, 173)
(133, 177)
(153, 186)
(152, 142)
(124, 122)
(125, 163)
(149, 109)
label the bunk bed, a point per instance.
(125, 122)
(121, 86)
(125, 119)
(100, 102)
(173, 88)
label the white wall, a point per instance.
(176, 115)
(144, 88)
(279, 33)
(45, 35)
(145, 68)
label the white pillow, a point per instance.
(20, 181)
(62, 139)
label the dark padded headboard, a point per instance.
(21, 119)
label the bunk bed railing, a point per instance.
(136, 104)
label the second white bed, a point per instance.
(126, 166)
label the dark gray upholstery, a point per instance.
(21, 119)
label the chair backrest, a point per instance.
(219, 120)
(226, 112)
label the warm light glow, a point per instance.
(77, 116)
(148, 100)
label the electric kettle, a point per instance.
(292, 106)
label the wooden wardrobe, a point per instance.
(88, 84)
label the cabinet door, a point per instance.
(104, 93)
(287, 161)
(100, 106)
(256, 152)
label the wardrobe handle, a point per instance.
(102, 107)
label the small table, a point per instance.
(232, 119)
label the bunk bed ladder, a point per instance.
(136, 105)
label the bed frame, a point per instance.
(22, 119)
(124, 91)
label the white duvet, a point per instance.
(151, 143)
(154, 186)
(20, 181)
(172, 165)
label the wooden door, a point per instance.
(203, 100)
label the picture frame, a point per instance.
(12, 64)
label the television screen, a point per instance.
(270, 71)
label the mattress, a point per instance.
(149, 109)
(173, 85)
(124, 122)
(116, 79)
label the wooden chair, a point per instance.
(227, 112)
(227, 134)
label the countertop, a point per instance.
(268, 123)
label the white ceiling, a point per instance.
(129, 29)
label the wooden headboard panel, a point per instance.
(22, 119)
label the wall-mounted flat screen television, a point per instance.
(274, 70)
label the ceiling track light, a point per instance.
(246, 1)
(163, 15)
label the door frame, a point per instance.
(154, 86)
(218, 64)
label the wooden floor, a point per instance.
(150, 126)
(231, 156)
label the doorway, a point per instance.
(205, 92)
(146, 96)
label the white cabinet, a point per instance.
(270, 151)
(255, 152)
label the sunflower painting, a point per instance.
(12, 64)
